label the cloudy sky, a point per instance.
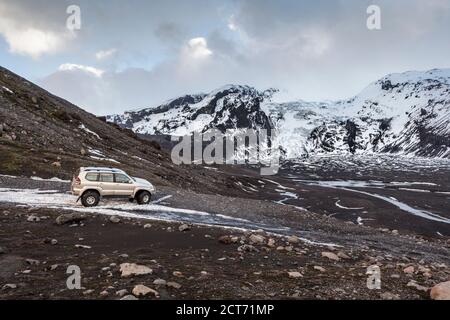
(136, 53)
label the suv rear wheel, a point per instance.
(144, 197)
(90, 199)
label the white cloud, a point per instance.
(31, 41)
(105, 54)
(77, 67)
(198, 48)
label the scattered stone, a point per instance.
(33, 218)
(147, 226)
(178, 274)
(83, 151)
(54, 242)
(389, 296)
(82, 246)
(184, 227)
(441, 291)
(342, 255)
(293, 239)
(256, 239)
(54, 267)
(409, 270)
(9, 286)
(104, 293)
(70, 218)
(114, 219)
(129, 297)
(330, 255)
(319, 268)
(141, 290)
(174, 285)
(271, 242)
(88, 292)
(122, 292)
(57, 164)
(295, 274)
(228, 239)
(132, 269)
(247, 248)
(417, 286)
(32, 262)
(160, 282)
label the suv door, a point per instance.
(107, 184)
(124, 185)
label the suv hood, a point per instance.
(143, 183)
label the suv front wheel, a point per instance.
(90, 199)
(144, 197)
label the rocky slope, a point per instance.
(46, 136)
(406, 113)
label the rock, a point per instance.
(141, 290)
(319, 268)
(174, 285)
(409, 270)
(247, 248)
(228, 239)
(147, 226)
(104, 293)
(178, 274)
(33, 218)
(32, 262)
(417, 286)
(54, 242)
(82, 246)
(330, 255)
(184, 227)
(441, 291)
(88, 292)
(132, 269)
(389, 296)
(114, 219)
(293, 239)
(129, 297)
(2, 250)
(122, 292)
(34, 100)
(70, 218)
(83, 151)
(256, 239)
(295, 274)
(160, 282)
(271, 242)
(342, 255)
(57, 164)
(9, 286)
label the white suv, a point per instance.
(93, 183)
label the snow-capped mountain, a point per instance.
(407, 113)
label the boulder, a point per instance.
(441, 291)
(132, 269)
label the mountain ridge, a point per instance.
(402, 113)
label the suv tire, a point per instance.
(90, 199)
(144, 197)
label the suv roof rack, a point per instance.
(99, 169)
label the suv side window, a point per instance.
(92, 177)
(121, 178)
(106, 177)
